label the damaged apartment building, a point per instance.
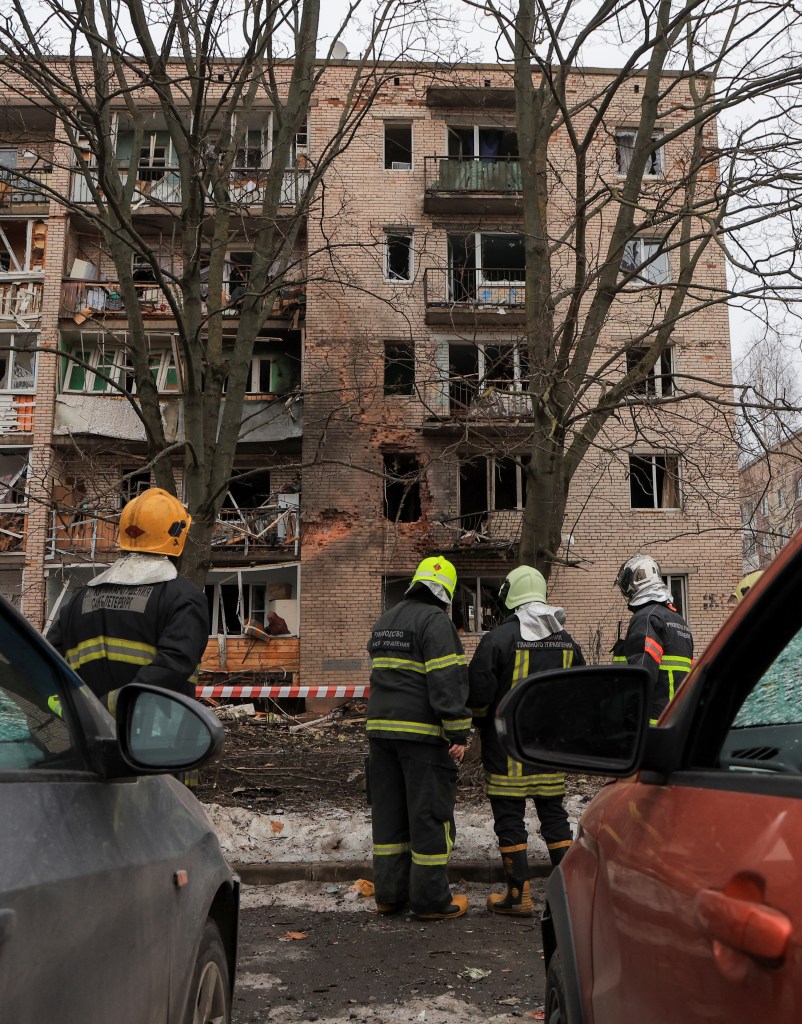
(386, 416)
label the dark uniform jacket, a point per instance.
(502, 660)
(154, 633)
(658, 638)
(419, 675)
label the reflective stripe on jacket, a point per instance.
(115, 634)
(658, 639)
(502, 660)
(419, 675)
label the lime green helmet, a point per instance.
(522, 585)
(436, 570)
(746, 584)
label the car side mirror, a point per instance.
(160, 731)
(592, 719)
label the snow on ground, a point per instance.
(446, 1009)
(332, 834)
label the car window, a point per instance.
(766, 733)
(33, 731)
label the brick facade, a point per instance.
(352, 557)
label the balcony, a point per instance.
(466, 296)
(23, 187)
(12, 531)
(16, 413)
(483, 533)
(160, 187)
(82, 533)
(21, 300)
(82, 300)
(469, 184)
(271, 529)
(488, 399)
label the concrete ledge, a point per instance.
(347, 871)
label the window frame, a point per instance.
(398, 236)
(643, 260)
(10, 355)
(653, 456)
(23, 474)
(400, 123)
(680, 580)
(475, 584)
(655, 384)
(399, 388)
(656, 167)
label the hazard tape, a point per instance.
(281, 691)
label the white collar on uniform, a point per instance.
(134, 568)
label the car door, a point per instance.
(84, 895)
(697, 911)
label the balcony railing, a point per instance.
(472, 174)
(84, 299)
(161, 186)
(490, 530)
(271, 527)
(488, 399)
(471, 289)
(81, 533)
(21, 299)
(18, 187)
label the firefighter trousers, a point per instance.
(413, 786)
(508, 820)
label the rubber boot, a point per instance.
(557, 851)
(518, 897)
(459, 906)
(390, 908)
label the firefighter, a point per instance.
(417, 726)
(658, 638)
(743, 588)
(138, 621)
(531, 639)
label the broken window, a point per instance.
(646, 261)
(17, 361)
(488, 268)
(401, 488)
(155, 156)
(477, 141)
(489, 484)
(677, 583)
(13, 475)
(475, 369)
(235, 596)
(625, 150)
(654, 481)
(399, 368)
(134, 481)
(22, 246)
(476, 607)
(398, 146)
(659, 381)
(398, 257)
(248, 490)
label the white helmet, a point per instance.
(636, 574)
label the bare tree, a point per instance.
(701, 119)
(230, 89)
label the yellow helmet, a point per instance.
(436, 570)
(154, 522)
(522, 585)
(746, 584)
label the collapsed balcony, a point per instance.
(470, 296)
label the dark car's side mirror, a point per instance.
(592, 719)
(160, 731)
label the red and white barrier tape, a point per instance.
(282, 691)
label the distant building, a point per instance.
(771, 502)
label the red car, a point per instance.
(681, 899)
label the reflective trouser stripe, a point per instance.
(544, 784)
(559, 846)
(389, 849)
(401, 726)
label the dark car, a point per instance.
(116, 904)
(681, 899)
